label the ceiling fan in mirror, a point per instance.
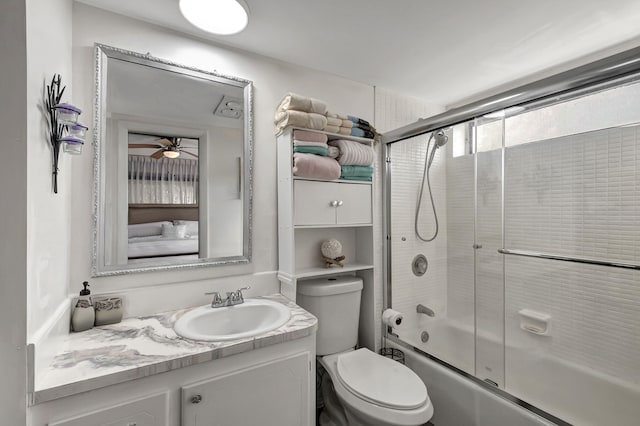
(170, 147)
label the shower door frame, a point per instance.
(579, 81)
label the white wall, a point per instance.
(272, 79)
(48, 41)
(13, 227)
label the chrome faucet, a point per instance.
(421, 309)
(233, 298)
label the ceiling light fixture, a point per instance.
(171, 152)
(222, 17)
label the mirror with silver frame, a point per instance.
(172, 165)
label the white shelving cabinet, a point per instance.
(311, 211)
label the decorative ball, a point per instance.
(331, 248)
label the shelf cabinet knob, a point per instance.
(334, 203)
(196, 399)
(340, 203)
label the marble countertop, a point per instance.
(144, 346)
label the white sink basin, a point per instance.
(251, 318)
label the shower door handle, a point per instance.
(477, 246)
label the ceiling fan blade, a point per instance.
(165, 142)
(158, 154)
(190, 153)
(144, 145)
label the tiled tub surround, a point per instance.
(144, 346)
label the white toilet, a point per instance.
(364, 388)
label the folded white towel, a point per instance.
(333, 152)
(308, 120)
(309, 143)
(334, 121)
(344, 130)
(347, 123)
(353, 153)
(330, 114)
(343, 117)
(332, 129)
(293, 101)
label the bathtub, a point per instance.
(573, 393)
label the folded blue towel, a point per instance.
(357, 120)
(317, 150)
(356, 131)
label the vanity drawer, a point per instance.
(331, 203)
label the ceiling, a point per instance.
(442, 51)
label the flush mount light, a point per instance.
(222, 17)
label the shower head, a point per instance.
(440, 139)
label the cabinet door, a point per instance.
(148, 411)
(331, 203)
(276, 393)
(313, 202)
(354, 204)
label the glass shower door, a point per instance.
(489, 271)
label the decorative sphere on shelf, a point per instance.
(331, 248)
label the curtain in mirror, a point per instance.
(162, 181)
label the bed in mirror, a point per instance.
(173, 173)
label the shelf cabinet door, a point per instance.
(355, 204)
(331, 203)
(312, 203)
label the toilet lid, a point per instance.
(381, 380)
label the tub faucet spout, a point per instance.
(421, 309)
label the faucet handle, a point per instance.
(217, 299)
(237, 295)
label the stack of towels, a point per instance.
(314, 156)
(300, 111)
(355, 160)
(349, 125)
(309, 113)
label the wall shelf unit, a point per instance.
(308, 214)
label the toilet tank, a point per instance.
(335, 301)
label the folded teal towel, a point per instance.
(360, 178)
(317, 150)
(356, 171)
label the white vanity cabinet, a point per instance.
(270, 386)
(311, 211)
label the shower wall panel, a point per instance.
(407, 162)
(392, 110)
(578, 196)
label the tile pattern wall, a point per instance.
(577, 195)
(393, 111)
(407, 162)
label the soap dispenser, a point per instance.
(84, 315)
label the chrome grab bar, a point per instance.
(587, 261)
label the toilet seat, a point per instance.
(377, 413)
(381, 380)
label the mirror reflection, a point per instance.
(173, 165)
